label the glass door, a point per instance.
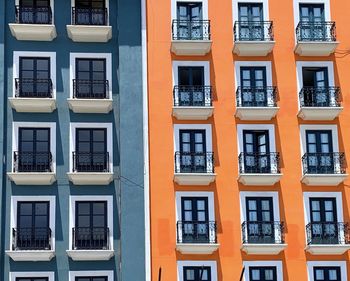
(34, 11)
(90, 12)
(191, 85)
(251, 19)
(253, 84)
(312, 19)
(197, 273)
(193, 151)
(189, 16)
(315, 83)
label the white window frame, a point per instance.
(50, 125)
(266, 64)
(38, 274)
(312, 264)
(109, 274)
(277, 264)
(204, 64)
(52, 6)
(182, 264)
(107, 7)
(15, 70)
(74, 199)
(296, 4)
(265, 4)
(72, 68)
(72, 142)
(174, 7)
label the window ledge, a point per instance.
(259, 179)
(33, 32)
(319, 113)
(194, 178)
(90, 178)
(323, 179)
(315, 48)
(197, 249)
(37, 105)
(192, 112)
(89, 33)
(327, 249)
(191, 47)
(90, 255)
(90, 105)
(31, 255)
(35, 178)
(253, 48)
(256, 113)
(263, 249)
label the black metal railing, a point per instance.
(33, 88)
(256, 96)
(32, 161)
(259, 163)
(31, 238)
(194, 162)
(90, 238)
(89, 16)
(319, 97)
(196, 232)
(90, 89)
(191, 30)
(192, 96)
(263, 232)
(316, 31)
(333, 233)
(33, 15)
(324, 163)
(253, 31)
(91, 162)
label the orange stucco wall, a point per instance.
(226, 188)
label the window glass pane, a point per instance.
(41, 209)
(83, 147)
(316, 216)
(315, 205)
(99, 135)
(328, 205)
(329, 216)
(42, 135)
(205, 275)
(319, 274)
(98, 221)
(40, 221)
(25, 208)
(201, 205)
(84, 208)
(252, 204)
(27, 64)
(83, 65)
(249, 138)
(188, 216)
(324, 138)
(42, 64)
(253, 216)
(332, 274)
(25, 221)
(27, 135)
(98, 65)
(311, 138)
(185, 137)
(268, 274)
(201, 216)
(84, 135)
(187, 204)
(190, 274)
(99, 208)
(83, 221)
(265, 205)
(256, 274)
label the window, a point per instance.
(263, 271)
(327, 274)
(189, 18)
(32, 276)
(327, 271)
(90, 12)
(32, 279)
(94, 278)
(251, 21)
(197, 271)
(312, 22)
(34, 12)
(95, 275)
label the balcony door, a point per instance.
(253, 84)
(251, 19)
(325, 273)
(191, 86)
(262, 273)
(92, 278)
(324, 228)
(189, 16)
(315, 85)
(33, 231)
(34, 11)
(193, 151)
(90, 12)
(312, 20)
(196, 273)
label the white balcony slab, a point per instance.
(327, 249)
(196, 249)
(29, 178)
(90, 255)
(192, 112)
(90, 178)
(323, 179)
(31, 255)
(263, 249)
(319, 113)
(37, 105)
(259, 179)
(315, 48)
(194, 178)
(191, 47)
(90, 105)
(89, 33)
(253, 48)
(33, 32)
(256, 113)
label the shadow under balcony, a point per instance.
(263, 238)
(194, 168)
(31, 244)
(253, 38)
(256, 103)
(327, 238)
(32, 168)
(316, 38)
(323, 169)
(196, 238)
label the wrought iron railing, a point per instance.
(31, 238)
(319, 97)
(89, 16)
(192, 96)
(196, 232)
(33, 88)
(256, 96)
(191, 30)
(259, 163)
(194, 162)
(324, 163)
(316, 31)
(253, 31)
(90, 238)
(327, 233)
(32, 161)
(90, 89)
(33, 15)
(263, 232)
(91, 162)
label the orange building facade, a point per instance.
(249, 135)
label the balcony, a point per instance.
(90, 96)
(258, 103)
(32, 168)
(33, 95)
(327, 238)
(323, 169)
(191, 38)
(194, 168)
(89, 25)
(91, 169)
(195, 237)
(31, 244)
(261, 169)
(33, 23)
(253, 38)
(192, 102)
(319, 103)
(263, 238)
(316, 38)
(90, 244)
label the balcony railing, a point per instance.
(196, 232)
(256, 96)
(316, 32)
(190, 162)
(32, 162)
(89, 16)
(33, 15)
(319, 97)
(326, 233)
(192, 96)
(324, 163)
(191, 30)
(259, 163)
(33, 88)
(267, 232)
(90, 238)
(29, 238)
(253, 31)
(90, 89)
(91, 162)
